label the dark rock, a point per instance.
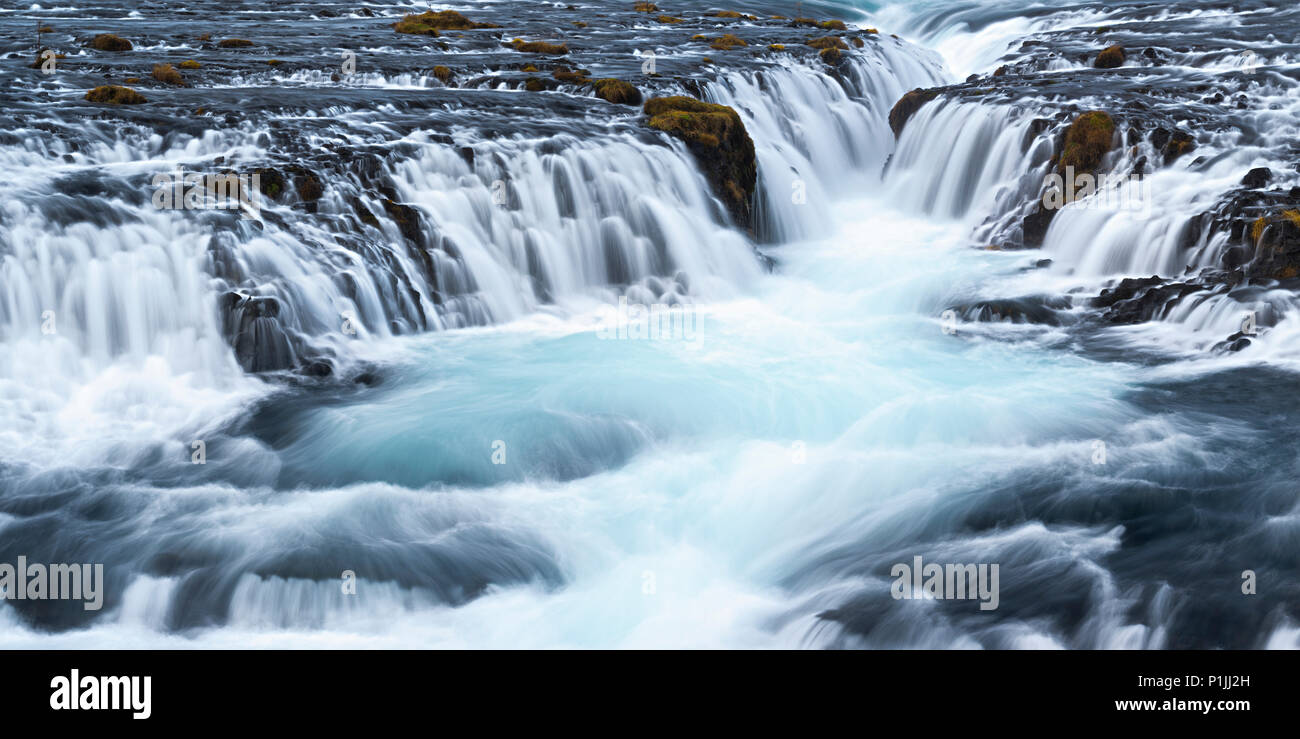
(1257, 177)
(907, 106)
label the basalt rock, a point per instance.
(717, 138)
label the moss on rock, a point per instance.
(1086, 142)
(717, 138)
(189, 64)
(115, 95)
(828, 42)
(110, 42)
(539, 47)
(727, 41)
(617, 91)
(432, 22)
(234, 43)
(1110, 57)
(907, 106)
(166, 73)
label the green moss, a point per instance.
(646, 8)
(831, 56)
(167, 73)
(431, 22)
(444, 74)
(669, 19)
(115, 95)
(776, 47)
(234, 43)
(617, 91)
(110, 42)
(716, 136)
(1110, 57)
(532, 84)
(1087, 141)
(833, 25)
(190, 64)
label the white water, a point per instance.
(821, 407)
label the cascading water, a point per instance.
(403, 370)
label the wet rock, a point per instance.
(1257, 177)
(907, 106)
(432, 22)
(1086, 142)
(617, 91)
(717, 138)
(109, 42)
(115, 95)
(1110, 57)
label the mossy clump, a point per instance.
(828, 42)
(857, 42)
(831, 56)
(1110, 57)
(530, 67)
(1086, 142)
(646, 8)
(115, 95)
(833, 25)
(907, 106)
(726, 42)
(539, 47)
(776, 47)
(234, 43)
(45, 29)
(617, 91)
(274, 62)
(669, 19)
(580, 24)
(444, 74)
(167, 74)
(728, 14)
(533, 84)
(1257, 228)
(190, 64)
(110, 42)
(572, 77)
(431, 22)
(716, 136)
